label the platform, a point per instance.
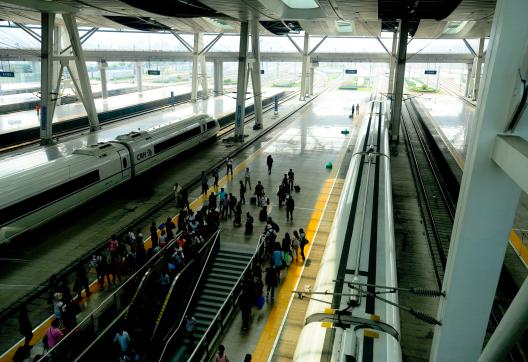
(301, 147)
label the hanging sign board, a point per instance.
(7, 74)
(262, 71)
(153, 72)
(350, 71)
(431, 72)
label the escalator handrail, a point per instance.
(250, 262)
(206, 262)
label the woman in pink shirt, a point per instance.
(54, 334)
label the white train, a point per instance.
(34, 196)
(347, 324)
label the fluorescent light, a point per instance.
(301, 4)
(344, 26)
(454, 27)
(219, 22)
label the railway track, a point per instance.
(438, 207)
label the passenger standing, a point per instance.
(247, 178)
(229, 164)
(259, 192)
(190, 324)
(304, 241)
(205, 187)
(232, 204)
(81, 280)
(122, 339)
(238, 215)
(221, 356)
(221, 197)
(216, 177)
(37, 108)
(113, 247)
(212, 201)
(271, 282)
(286, 248)
(169, 228)
(296, 242)
(57, 305)
(24, 325)
(357, 109)
(154, 235)
(249, 224)
(290, 206)
(281, 194)
(54, 334)
(269, 162)
(242, 193)
(291, 178)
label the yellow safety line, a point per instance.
(274, 322)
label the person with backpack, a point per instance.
(303, 242)
(269, 162)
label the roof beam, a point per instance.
(317, 46)
(83, 38)
(470, 48)
(211, 44)
(31, 33)
(184, 43)
(384, 47)
(295, 44)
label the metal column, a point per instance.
(194, 82)
(103, 65)
(241, 82)
(218, 77)
(392, 62)
(478, 69)
(468, 80)
(139, 76)
(398, 80)
(46, 78)
(203, 67)
(488, 199)
(255, 79)
(80, 63)
(312, 74)
(304, 66)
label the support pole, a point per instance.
(203, 67)
(139, 76)
(240, 111)
(46, 79)
(80, 63)
(510, 328)
(468, 80)
(194, 81)
(304, 66)
(478, 69)
(103, 65)
(392, 62)
(487, 201)
(312, 75)
(398, 81)
(56, 64)
(218, 77)
(255, 79)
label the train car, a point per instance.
(350, 322)
(152, 147)
(35, 196)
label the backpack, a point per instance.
(275, 227)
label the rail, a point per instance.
(104, 314)
(102, 341)
(203, 348)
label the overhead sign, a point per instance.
(262, 71)
(350, 71)
(153, 72)
(7, 74)
(431, 72)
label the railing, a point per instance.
(178, 329)
(88, 329)
(226, 312)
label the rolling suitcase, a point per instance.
(253, 200)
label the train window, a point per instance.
(162, 146)
(211, 124)
(56, 193)
(125, 163)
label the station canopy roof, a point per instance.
(428, 18)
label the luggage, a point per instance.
(297, 188)
(263, 215)
(253, 200)
(260, 301)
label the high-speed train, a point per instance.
(34, 196)
(345, 319)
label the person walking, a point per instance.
(205, 187)
(54, 334)
(247, 178)
(290, 206)
(242, 193)
(122, 339)
(291, 179)
(154, 234)
(296, 242)
(24, 325)
(271, 282)
(269, 162)
(81, 281)
(190, 325)
(221, 356)
(229, 164)
(216, 176)
(259, 192)
(221, 197)
(249, 224)
(303, 242)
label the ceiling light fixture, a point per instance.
(301, 4)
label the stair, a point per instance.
(227, 268)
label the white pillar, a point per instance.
(398, 80)
(255, 79)
(478, 70)
(194, 81)
(312, 76)
(240, 110)
(392, 62)
(487, 201)
(218, 77)
(103, 65)
(304, 66)
(203, 68)
(46, 78)
(80, 63)
(468, 79)
(139, 76)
